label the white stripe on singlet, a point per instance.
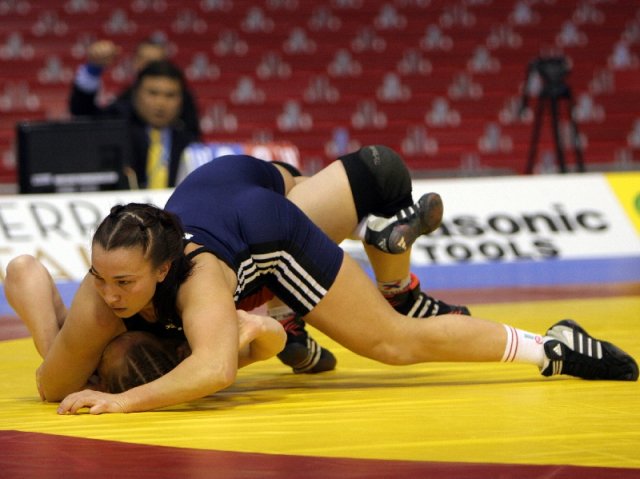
(290, 274)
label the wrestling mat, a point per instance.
(364, 420)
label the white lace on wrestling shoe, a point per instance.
(571, 350)
(397, 233)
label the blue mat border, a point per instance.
(489, 275)
(531, 273)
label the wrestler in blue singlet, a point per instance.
(235, 207)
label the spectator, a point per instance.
(157, 134)
(102, 54)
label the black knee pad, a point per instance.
(379, 179)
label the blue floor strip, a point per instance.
(531, 273)
(490, 275)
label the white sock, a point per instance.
(523, 347)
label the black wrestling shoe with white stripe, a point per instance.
(397, 233)
(417, 304)
(571, 350)
(301, 352)
(424, 306)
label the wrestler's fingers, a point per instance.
(83, 399)
(71, 404)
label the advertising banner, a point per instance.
(491, 227)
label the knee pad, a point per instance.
(379, 179)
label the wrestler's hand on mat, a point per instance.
(98, 402)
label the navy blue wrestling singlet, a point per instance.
(235, 207)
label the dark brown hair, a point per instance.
(160, 235)
(140, 357)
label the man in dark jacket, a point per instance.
(102, 54)
(158, 133)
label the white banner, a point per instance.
(486, 220)
(527, 218)
(57, 228)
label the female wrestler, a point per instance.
(243, 234)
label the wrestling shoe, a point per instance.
(301, 352)
(397, 233)
(570, 350)
(417, 304)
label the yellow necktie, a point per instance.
(157, 171)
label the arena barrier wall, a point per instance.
(499, 231)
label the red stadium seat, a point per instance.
(332, 59)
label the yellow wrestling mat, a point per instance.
(495, 413)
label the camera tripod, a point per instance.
(553, 71)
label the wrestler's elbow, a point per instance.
(221, 377)
(51, 393)
(52, 388)
(228, 377)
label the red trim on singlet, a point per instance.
(255, 300)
